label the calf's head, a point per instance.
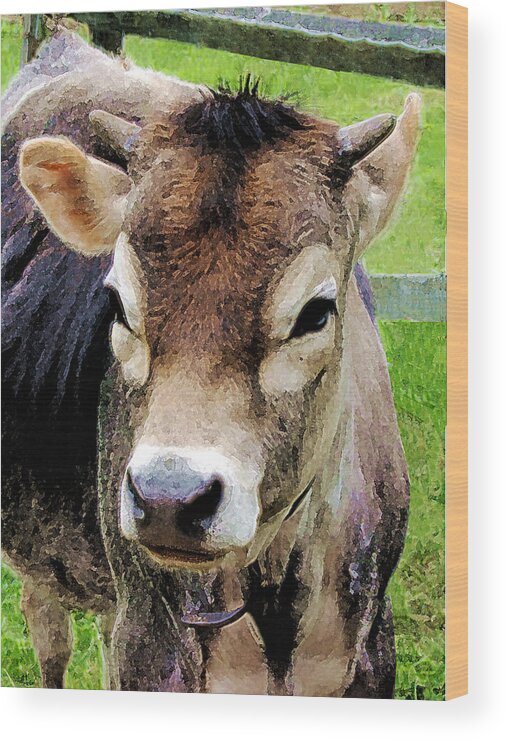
(234, 231)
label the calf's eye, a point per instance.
(313, 317)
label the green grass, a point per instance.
(417, 364)
(12, 34)
(416, 353)
(19, 664)
(430, 14)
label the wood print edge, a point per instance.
(457, 355)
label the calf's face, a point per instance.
(233, 249)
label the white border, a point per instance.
(77, 714)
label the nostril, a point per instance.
(137, 499)
(203, 505)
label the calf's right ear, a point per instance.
(378, 178)
(82, 198)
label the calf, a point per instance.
(253, 490)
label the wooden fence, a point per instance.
(410, 53)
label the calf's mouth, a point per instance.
(178, 557)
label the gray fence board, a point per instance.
(410, 297)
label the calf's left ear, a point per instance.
(82, 198)
(378, 176)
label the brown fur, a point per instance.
(182, 239)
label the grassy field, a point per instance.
(427, 13)
(416, 353)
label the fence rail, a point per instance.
(405, 52)
(410, 297)
(410, 53)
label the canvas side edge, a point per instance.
(457, 354)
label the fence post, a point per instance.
(33, 33)
(108, 37)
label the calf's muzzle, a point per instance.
(172, 506)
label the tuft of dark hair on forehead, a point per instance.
(241, 121)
